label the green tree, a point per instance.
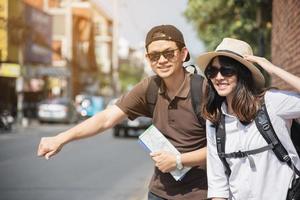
(248, 20)
(129, 75)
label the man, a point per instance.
(173, 116)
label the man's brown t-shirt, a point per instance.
(176, 119)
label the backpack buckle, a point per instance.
(240, 154)
(286, 158)
(222, 155)
(266, 126)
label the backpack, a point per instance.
(196, 94)
(265, 128)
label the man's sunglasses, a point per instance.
(167, 54)
(226, 71)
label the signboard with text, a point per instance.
(37, 47)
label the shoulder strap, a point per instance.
(266, 129)
(295, 135)
(152, 92)
(196, 96)
(220, 141)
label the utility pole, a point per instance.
(69, 56)
(20, 87)
(115, 57)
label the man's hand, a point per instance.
(164, 161)
(49, 146)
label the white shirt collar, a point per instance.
(224, 109)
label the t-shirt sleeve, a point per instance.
(285, 104)
(217, 179)
(134, 102)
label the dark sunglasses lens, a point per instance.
(228, 71)
(154, 56)
(168, 54)
(211, 72)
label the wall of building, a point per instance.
(3, 30)
(286, 38)
(38, 4)
(13, 24)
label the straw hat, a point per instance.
(235, 49)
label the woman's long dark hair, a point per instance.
(246, 98)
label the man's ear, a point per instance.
(147, 58)
(184, 52)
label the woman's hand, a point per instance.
(288, 77)
(263, 62)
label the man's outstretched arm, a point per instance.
(49, 146)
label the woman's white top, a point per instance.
(265, 177)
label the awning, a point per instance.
(39, 71)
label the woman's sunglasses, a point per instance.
(167, 54)
(226, 71)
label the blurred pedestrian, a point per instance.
(235, 92)
(173, 116)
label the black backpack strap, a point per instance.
(266, 129)
(152, 92)
(220, 140)
(295, 135)
(196, 96)
(242, 154)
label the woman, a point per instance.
(235, 90)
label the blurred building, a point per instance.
(286, 38)
(25, 44)
(82, 39)
(9, 67)
(37, 55)
(103, 23)
(51, 48)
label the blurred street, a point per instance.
(102, 167)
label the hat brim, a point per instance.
(258, 78)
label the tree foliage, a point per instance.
(129, 76)
(248, 20)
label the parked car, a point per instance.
(130, 127)
(57, 110)
(87, 105)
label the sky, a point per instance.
(137, 17)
